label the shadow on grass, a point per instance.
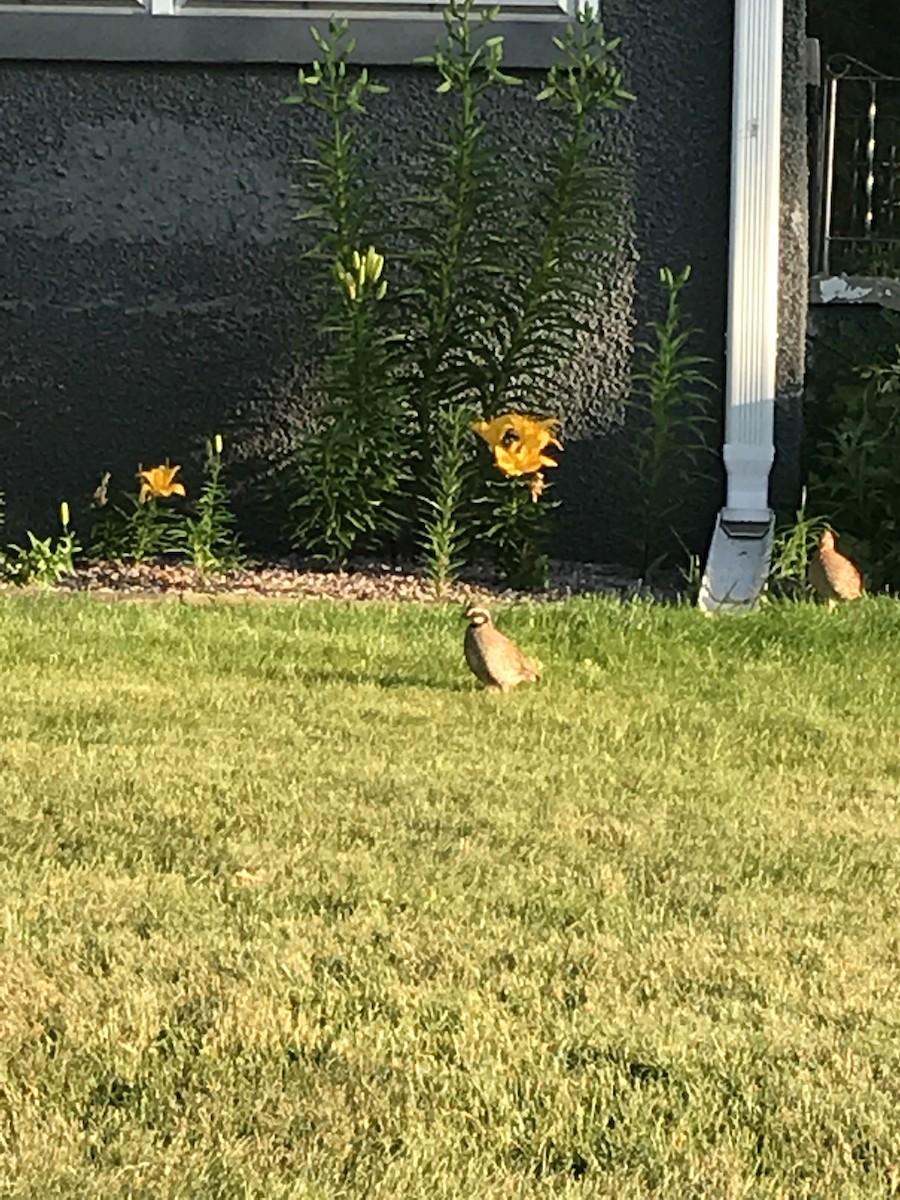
(393, 680)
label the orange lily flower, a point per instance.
(519, 442)
(159, 482)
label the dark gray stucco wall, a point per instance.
(678, 56)
(794, 263)
(843, 338)
(150, 294)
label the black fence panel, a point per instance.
(856, 172)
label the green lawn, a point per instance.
(290, 909)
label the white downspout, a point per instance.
(752, 334)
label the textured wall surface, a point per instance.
(794, 256)
(150, 294)
(842, 339)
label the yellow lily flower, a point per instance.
(158, 482)
(519, 442)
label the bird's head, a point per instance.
(476, 615)
(826, 539)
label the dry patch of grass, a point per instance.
(290, 909)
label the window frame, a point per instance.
(134, 34)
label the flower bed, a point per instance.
(296, 578)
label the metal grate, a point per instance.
(856, 176)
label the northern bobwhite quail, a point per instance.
(492, 657)
(834, 576)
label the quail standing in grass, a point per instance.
(834, 576)
(492, 657)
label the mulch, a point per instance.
(295, 578)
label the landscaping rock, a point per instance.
(294, 578)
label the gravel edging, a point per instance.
(296, 579)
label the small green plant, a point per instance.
(345, 479)
(692, 577)
(350, 472)
(145, 529)
(514, 523)
(459, 270)
(43, 562)
(336, 198)
(793, 546)
(445, 535)
(853, 472)
(507, 262)
(515, 529)
(459, 266)
(209, 535)
(573, 218)
(672, 451)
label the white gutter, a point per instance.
(741, 547)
